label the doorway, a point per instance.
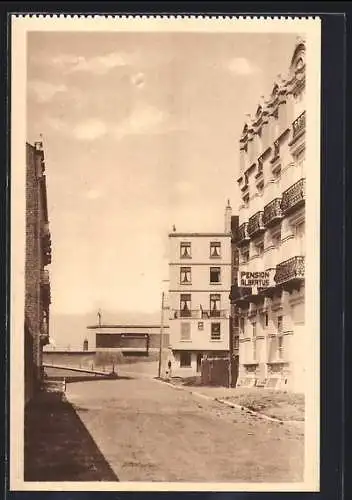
(199, 362)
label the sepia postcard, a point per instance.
(165, 253)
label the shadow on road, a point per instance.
(58, 447)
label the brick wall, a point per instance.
(35, 217)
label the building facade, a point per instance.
(127, 338)
(38, 257)
(269, 294)
(199, 288)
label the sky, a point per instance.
(140, 132)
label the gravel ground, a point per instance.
(149, 431)
(278, 404)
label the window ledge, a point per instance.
(185, 341)
(188, 283)
(215, 283)
(216, 340)
(251, 363)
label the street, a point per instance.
(149, 431)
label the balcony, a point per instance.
(272, 212)
(186, 313)
(218, 313)
(293, 197)
(239, 295)
(299, 126)
(242, 235)
(290, 271)
(255, 224)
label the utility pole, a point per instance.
(161, 333)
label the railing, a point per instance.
(294, 196)
(255, 224)
(243, 233)
(186, 313)
(299, 125)
(272, 212)
(290, 269)
(218, 313)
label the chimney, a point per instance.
(228, 214)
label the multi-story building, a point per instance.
(38, 256)
(269, 296)
(199, 305)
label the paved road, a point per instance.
(149, 431)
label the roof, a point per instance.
(96, 327)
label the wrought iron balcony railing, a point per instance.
(211, 313)
(272, 212)
(186, 313)
(299, 125)
(256, 224)
(293, 197)
(242, 235)
(291, 269)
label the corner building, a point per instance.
(37, 280)
(199, 305)
(271, 237)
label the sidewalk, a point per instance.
(58, 447)
(279, 405)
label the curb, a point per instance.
(228, 403)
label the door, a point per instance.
(199, 362)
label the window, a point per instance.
(279, 324)
(185, 305)
(254, 339)
(260, 187)
(215, 274)
(185, 275)
(276, 239)
(185, 359)
(215, 249)
(200, 325)
(300, 230)
(245, 254)
(215, 331)
(185, 331)
(260, 248)
(185, 250)
(280, 346)
(264, 320)
(215, 305)
(236, 343)
(245, 199)
(242, 325)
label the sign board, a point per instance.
(256, 279)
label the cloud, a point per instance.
(89, 130)
(99, 65)
(45, 91)
(144, 119)
(243, 67)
